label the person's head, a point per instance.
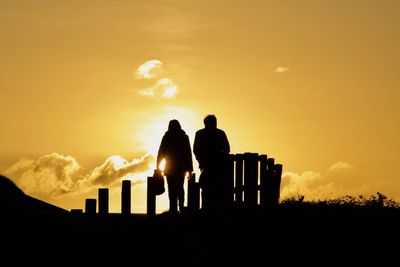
(174, 126)
(210, 121)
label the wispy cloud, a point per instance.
(149, 69)
(162, 86)
(340, 165)
(281, 69)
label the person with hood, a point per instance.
(175, 149)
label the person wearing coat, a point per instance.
(176, 150)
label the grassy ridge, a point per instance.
(344, 231)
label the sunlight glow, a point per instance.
(162, 165)
(156, 124)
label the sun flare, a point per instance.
(162, 164)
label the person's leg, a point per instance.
(214, 198)
(172, 194)
(206, 184)
(181, 192)
(213, 191)
(204, 200)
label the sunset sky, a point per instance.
(88, 88)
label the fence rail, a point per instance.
(251, 180)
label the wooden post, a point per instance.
(250, 179)
(239, 179)
(277, 184)
(263, 180)
(151, 198)
(193, 194)
(103, 200)
(269, 182)
(230, 179)
(255, 179)
(90, 206)
(126, 197)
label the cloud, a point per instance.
(49, 175)
(149, 69)
(323, 185)
(339, 180)
(282, 70)
(53, 176)
(303, 183)
(18, 168)
(340, 165)
(164, 87)
(116, 167)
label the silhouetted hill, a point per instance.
(13, 199)
(348, 231)
(287, 235)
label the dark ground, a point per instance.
(283, 236)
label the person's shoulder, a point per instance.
(220, 131)
(165, 135)
(200, 131)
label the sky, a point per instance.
(88, 88)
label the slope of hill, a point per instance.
(13, 199)
(345, 231)
(288, 235)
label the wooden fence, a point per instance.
(252, 180)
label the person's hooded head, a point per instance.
(210, 122)
(174, 126)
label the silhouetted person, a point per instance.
(175, 149)
(211, 148)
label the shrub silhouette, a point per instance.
(374, 201)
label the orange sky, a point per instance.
(313, 84)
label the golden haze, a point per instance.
(313, 84)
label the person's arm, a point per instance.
(161, 152)
(197, 149)
(189, 155)
(195, 145)
(226, 146)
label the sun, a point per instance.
(152, 128)
(156, 124)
